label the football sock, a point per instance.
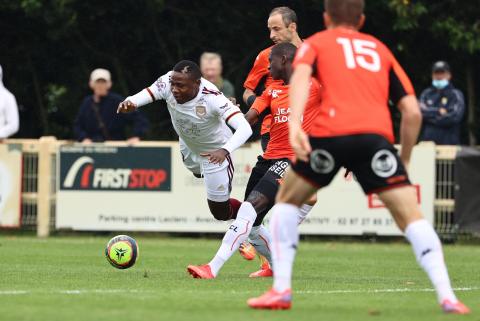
(283, 229)
(260, 239)
(235, 235)
(234, 207)
(428, 251)
(304, 210)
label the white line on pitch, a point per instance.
(127, 291)
(399, 290)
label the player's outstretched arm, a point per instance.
(156, 91)
(298, 92)
(409, 126)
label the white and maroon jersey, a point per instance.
(201, 122)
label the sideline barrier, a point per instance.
(39, 192)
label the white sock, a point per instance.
(304, 210)
(283, 228)
(235, 235)
(261, 240)
(428, 251)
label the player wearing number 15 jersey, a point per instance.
(359, 75)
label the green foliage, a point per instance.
(461, 35)
(51, 44)
(408, 13)
(458, 22)
(54, 94)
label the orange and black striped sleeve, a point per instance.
(400, 85)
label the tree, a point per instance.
(456, 24)
(49, 47)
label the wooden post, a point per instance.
(44, 189)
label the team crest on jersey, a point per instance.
(160, 84)
(274, 92)
(201, 111)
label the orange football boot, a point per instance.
(265, 270)
(247, 251)
(454, 308)
(200, 271)
(272, 300)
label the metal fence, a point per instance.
(32, 175)
(445, 191)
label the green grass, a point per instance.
(158, 288)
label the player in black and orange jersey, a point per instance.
(282, 24)
(267, 174)
(358, 75)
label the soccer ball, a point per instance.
(122, 251)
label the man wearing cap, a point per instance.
(8, 111)
(98, 121)
(442, 106)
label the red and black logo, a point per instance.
(120, 168)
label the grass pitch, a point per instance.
(68, 278)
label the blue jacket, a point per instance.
(87, 125)
(442, 129)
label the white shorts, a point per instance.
(217, 177)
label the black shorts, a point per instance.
(265, 179)
(372, 159)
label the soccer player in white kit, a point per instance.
(200, 114)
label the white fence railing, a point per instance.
(38, 199)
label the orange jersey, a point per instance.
(258, 79)
(358, 74)
(275, 97)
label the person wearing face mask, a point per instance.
(443, 107)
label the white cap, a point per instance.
(100, 73)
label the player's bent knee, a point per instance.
(220, 210)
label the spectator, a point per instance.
(211, 68)
(97, 120)
(442, 107)
(8, 111)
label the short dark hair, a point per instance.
(288, 15)
(345, 11)
(189, 68)
(284, 49)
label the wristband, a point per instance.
(251, 100)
